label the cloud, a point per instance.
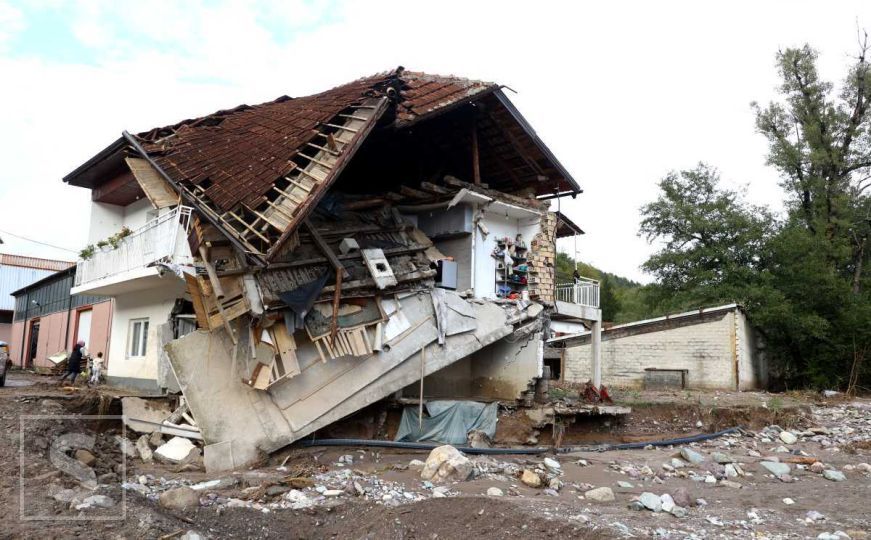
(622, 92)
(11, 23)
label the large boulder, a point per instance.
(180, 498)
(446, 463)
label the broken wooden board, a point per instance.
(158, 190)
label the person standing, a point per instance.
(74, 363)
(96, 369)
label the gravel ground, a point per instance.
(354, 493)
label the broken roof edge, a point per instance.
(75, 177)
(134, 142)
(527, 128)
(645, 322)
(563, 219)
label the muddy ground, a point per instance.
(393, 501)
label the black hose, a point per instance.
(514, 451)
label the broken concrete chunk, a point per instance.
(85, 457)
(128, 447)
(348, 245)
(144, 415)
(380, 269)
(219, 483)
(446, 463)
(174, 451)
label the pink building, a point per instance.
(48, 320)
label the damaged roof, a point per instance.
(256, 171)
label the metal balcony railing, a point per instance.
(157, 240)
(585, 292)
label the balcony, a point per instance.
(579, 300)
(132, 265)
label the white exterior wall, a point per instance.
(155, 304)
(108, 219)
(752, 366)
(484, 267)
(704, 349)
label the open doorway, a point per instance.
(33, 344)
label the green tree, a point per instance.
(803, 277)
(713, 244)
(608, 301)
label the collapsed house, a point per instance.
(389, 235)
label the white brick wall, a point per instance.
(704, 349)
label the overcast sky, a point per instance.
(622, 92)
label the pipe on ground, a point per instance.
(515, 451)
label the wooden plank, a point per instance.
(476, 164)
(158, 190)
(193, 287)
(414, 193)
(325, 249)
(260, 376)
(224, 316)
(286, 346)
(434, 189)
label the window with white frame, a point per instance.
(137, 338)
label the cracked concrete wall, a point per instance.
(504, 370)
(238, 422)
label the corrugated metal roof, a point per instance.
(13, 278)
(34, 262)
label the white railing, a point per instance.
(585, 292)
(155, 241)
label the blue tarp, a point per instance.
(448, 422)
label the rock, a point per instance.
(155, 439)
(192, 535)
(678, 463)
(494, 492)
(625, 485)
(813, 515)
(730, 471)
(333, 492)
(174, 451)
(85, 457)
(834, 476)
(691, 456)
(817, 467)
(447, 463)
(837, 535)
(551, 492)
(730, 484)
(710, 479)
(721, 458)
(787, 437)
(144, 449)
(180, 498)
(781, 450)
(555, 484)
(69, 495)
(530, 478)
(667, 502)
(220, 483)
(679, 512)
(775, 468)
(478, 439)
(128, 447)
(416, 465)
(440, 491)
(682, 498)
(99, 501)
(788, 502)
(863, 467)
(552, 465)
(699, 423)
(651, 501)
(600, 494)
